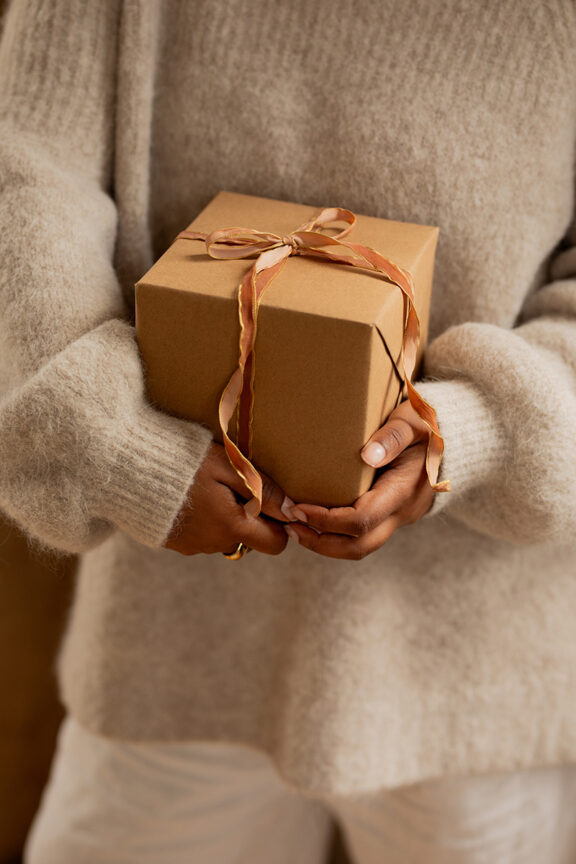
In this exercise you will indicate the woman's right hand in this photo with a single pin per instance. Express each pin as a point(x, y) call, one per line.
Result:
point(213, 519)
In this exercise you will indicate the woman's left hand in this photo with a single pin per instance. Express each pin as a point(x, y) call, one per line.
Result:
point(400, 495)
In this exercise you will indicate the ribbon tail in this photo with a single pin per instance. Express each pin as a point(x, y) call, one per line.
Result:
point(240, 389)
point(435, 447)
point(239, 462)
point(247, 318)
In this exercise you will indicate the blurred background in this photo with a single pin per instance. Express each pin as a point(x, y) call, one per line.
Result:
point(35, 594)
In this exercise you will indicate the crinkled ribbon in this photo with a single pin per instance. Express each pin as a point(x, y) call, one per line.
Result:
point(273, 251)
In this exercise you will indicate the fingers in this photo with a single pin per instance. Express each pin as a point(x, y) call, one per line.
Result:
point(262, 534)
point(274, 502)
point(402, 429)
point(224, 473)
point(400, 496)
point(340, 546)
point(389, 493)
point(257, 532)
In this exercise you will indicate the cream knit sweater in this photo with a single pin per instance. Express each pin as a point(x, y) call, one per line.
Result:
point(452, 649)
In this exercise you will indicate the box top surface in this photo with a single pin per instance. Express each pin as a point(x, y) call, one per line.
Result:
point(305, 284)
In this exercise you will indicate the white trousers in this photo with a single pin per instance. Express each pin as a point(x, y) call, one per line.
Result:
point(112, 802)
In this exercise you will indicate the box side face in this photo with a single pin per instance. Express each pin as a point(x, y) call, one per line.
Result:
point(390, 320)
point(189, 349)
point(311, 381)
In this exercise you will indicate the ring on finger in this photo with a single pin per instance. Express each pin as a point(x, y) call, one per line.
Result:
point(238, 553)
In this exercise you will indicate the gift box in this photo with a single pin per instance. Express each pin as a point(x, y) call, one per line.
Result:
point(327, 356)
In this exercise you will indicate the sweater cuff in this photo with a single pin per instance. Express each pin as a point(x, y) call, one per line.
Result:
point(153, 464)
point(475, 447)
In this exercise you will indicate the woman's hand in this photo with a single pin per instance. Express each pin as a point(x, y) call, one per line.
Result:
point(213, 518)
point(400, 495)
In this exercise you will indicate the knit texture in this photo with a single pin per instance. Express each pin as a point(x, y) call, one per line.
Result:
point(450, 650)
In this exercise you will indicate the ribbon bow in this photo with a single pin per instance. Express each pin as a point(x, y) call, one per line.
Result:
point(273, 251)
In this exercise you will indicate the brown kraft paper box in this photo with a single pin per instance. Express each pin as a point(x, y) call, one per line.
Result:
point(327, 337)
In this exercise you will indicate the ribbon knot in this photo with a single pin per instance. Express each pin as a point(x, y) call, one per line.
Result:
point(273, 251)
point(290, 240)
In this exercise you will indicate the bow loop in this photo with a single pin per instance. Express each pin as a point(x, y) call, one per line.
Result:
point(272, 256)
point(233, 242)
point(239, 242)
point(327, 215)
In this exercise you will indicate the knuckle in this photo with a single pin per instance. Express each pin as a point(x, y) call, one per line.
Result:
point(399, 434)
point(362, 525)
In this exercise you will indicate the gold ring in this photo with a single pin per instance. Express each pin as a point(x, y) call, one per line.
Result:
point(239, 552)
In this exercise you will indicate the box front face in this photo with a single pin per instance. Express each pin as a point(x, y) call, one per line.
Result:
point(310, 411)
point(189, 349)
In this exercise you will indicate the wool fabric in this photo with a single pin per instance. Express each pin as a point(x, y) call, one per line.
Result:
point(450, 650)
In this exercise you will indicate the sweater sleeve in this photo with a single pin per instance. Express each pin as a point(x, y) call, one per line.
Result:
point(506, 406)
point(82, 452)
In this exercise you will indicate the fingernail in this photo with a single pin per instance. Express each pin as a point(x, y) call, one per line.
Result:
point(286, 508)
point(373, 454)
point(292, 533)
point(299, 514)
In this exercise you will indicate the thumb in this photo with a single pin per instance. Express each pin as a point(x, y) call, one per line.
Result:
point(389, 441)
point(274, 502)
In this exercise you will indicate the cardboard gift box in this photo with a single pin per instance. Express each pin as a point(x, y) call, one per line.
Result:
point(327, 351)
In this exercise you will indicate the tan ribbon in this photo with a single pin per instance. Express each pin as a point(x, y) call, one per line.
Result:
point(273, 251)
